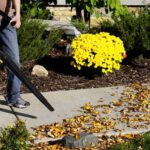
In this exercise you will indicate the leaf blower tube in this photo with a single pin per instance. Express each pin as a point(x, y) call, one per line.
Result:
point(16, 70)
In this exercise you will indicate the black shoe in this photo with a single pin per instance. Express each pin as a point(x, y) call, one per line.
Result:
point(20, 103)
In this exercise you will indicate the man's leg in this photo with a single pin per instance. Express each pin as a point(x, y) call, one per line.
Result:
point(8, 38)
point(9, 42)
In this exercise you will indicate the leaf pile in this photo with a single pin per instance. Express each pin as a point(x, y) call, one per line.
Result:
point(132, 110)
point(136, 101)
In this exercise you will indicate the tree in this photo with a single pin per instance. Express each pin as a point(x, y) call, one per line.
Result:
point(89, 7)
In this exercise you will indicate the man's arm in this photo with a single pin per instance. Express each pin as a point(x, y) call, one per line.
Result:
point(16, 19)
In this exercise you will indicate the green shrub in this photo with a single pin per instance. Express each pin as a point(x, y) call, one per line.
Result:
point(108, 26)
point(14, 137)
point(133, 29)
point(80, 25)
point(127, 30)
point(144, 30)
point(33, 39)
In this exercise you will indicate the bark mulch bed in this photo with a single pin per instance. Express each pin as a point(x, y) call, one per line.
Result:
point(62, 76)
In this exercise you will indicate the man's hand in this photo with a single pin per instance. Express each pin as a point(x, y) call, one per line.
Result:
point(16, 22)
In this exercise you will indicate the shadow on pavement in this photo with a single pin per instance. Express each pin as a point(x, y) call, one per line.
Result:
point(2, 102)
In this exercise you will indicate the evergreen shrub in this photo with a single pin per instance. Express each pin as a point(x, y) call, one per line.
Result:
point(34, 40)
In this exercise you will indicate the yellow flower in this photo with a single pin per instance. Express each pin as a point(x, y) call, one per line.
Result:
point(102, 51)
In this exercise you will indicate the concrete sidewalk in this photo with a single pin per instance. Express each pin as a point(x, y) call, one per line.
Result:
point(66, 104)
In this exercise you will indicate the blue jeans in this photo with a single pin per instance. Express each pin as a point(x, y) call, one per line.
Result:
point(9, 44)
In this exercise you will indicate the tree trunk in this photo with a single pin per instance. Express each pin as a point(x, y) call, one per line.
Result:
point(86, 15)
point(78, 11)
point(87, 18)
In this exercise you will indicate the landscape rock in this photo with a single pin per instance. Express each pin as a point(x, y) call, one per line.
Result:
point(67, 27)
point(84, 140)
point(39, 71)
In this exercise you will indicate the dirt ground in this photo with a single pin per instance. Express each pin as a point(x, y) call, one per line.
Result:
point(62, 76)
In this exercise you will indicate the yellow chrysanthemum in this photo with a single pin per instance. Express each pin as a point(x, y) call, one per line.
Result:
point(103, 51)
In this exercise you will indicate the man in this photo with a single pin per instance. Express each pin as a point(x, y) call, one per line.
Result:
point(9, 45)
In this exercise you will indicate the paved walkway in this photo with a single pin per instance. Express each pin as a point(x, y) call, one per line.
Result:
point(66, 104)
